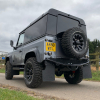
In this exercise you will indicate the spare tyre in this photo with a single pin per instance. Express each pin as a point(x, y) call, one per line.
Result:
point(74, 43)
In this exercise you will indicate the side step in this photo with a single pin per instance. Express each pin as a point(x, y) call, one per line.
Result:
point(18, 68)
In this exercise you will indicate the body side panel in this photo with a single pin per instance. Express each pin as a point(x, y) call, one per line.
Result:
point(37, 47)
point(17, 56)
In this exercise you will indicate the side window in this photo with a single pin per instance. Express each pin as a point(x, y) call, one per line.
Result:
point(36, 30)
point(21, 39)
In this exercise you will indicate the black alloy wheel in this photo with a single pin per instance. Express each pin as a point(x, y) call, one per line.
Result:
point(29, 72)
point(78, 42)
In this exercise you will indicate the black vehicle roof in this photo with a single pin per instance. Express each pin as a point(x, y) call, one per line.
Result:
point(55, 12)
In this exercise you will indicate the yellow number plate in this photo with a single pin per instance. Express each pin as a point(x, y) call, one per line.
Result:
point(50, 46)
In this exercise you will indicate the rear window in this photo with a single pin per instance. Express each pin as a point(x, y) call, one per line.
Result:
point(65, 23)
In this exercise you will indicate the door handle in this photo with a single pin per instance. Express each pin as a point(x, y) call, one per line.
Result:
point(20, 51)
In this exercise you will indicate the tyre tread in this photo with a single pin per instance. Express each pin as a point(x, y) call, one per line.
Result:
point(9, 74)
point(77, 79)
point(37, 75)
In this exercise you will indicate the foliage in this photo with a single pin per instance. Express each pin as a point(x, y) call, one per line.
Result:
point(94, 46)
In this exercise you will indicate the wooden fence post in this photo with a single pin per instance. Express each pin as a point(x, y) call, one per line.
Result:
point(97, 62)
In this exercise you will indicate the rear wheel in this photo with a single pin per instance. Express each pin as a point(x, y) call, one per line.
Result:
point(74, 77)
point(8, 71)
point(32, 73)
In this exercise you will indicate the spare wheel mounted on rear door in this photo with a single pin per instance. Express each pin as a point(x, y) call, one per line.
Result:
point(74, 43)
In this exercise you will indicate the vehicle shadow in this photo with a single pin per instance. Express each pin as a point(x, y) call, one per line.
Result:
point(58, 83)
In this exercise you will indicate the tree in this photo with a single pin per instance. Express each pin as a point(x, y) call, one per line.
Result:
point(94, 46)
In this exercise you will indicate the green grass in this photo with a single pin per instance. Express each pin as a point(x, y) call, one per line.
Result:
point(95, 76)
point(2, 70)
point(6, 94)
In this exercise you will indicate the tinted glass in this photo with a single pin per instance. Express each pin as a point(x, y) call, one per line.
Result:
point(65, 23)
point(36, 30)
point(21, 39)
point(51, 25)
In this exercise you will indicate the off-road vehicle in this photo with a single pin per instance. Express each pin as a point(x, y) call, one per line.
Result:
point(54, 44)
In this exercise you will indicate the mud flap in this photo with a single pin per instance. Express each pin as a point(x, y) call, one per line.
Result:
point(87, 71)
point(49, 73)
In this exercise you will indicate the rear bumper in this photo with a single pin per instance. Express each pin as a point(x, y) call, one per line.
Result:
point(49, 72)
point(66, 62)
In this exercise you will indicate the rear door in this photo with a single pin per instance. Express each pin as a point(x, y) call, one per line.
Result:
point(63, 24)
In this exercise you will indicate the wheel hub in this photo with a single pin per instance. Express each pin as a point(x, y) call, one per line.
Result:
point(78, 42)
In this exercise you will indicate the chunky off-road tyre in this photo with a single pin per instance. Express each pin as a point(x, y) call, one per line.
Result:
point(74, 77)
point(32, 73)
point(8, 71)
point(74, 43)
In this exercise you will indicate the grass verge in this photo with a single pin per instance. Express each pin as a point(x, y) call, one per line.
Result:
point(95, 76)
point(2, 70)
point(6, 94)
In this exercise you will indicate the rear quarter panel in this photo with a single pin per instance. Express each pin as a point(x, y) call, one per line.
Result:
point(35, 45)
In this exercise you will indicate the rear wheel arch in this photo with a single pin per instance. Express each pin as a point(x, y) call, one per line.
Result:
point(59, 35)
point(9, 58)
point(28, 55)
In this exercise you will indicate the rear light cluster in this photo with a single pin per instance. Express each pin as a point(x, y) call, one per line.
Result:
point(48, 53)
point(86, 56)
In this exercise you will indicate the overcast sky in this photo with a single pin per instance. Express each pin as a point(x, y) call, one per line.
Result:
point(15, 15)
